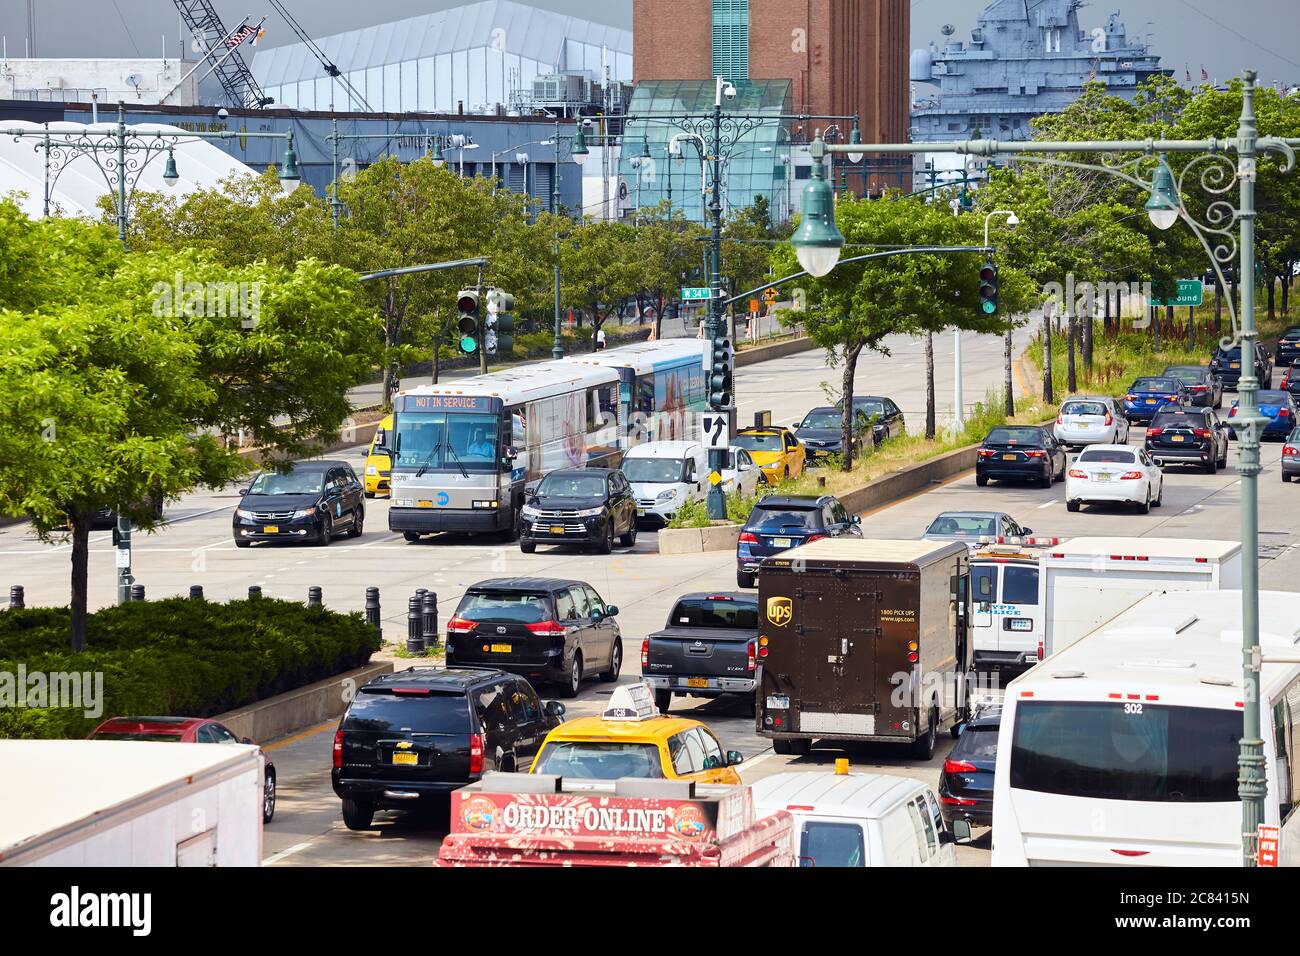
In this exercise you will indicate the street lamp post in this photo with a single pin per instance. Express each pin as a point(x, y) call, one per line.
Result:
point(718, 401)
point(1165, 207)
point(577, 147)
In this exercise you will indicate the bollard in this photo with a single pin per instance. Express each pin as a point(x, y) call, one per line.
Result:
point(137, 592)
point(196, 592)
point(372, 611)
point(16, 602)
point(254, 592)
point(414, 637)
point(314, 596)
point(821, 481)
point(429, 612)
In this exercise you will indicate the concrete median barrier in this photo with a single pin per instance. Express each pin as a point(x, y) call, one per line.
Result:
point(304, 707)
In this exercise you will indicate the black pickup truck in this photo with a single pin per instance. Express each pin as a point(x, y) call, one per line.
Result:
point(708, 648)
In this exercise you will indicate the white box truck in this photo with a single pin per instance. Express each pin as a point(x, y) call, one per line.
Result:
point(129, 803)
point(1085, 582)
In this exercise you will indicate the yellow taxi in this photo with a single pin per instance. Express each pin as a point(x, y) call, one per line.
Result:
point(378, 467)
point(774, 449)
point(632, 739)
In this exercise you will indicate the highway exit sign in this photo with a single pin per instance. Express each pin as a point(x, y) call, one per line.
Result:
point(1190, 292)
point(701, 293)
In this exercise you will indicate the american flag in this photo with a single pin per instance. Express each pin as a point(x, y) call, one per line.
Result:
point(1205, 77)
point(239, 36)
point(1188, 70)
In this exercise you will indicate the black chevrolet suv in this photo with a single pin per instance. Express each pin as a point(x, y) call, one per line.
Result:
point(414, 736)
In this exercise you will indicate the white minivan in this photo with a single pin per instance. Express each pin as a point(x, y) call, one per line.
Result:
point(861, 819)
point(664, 476)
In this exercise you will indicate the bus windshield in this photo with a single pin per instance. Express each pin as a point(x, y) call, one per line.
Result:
point(1126, 751)
point(445, 441)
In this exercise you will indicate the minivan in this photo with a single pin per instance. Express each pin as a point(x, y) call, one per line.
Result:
point(664, 476)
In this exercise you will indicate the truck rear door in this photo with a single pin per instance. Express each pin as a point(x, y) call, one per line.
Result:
point(836, 621)
point(984, 586)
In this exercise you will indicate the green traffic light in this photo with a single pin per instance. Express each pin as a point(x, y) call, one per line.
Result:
point(468, 345)
point(989, 307)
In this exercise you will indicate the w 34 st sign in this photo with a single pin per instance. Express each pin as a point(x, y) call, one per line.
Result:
point(716, 429)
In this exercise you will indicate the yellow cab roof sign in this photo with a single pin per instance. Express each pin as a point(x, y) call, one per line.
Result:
point(631, 702)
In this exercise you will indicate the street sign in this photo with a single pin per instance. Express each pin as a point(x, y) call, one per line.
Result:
point(753, 305)
point(1267, 837)
point(698, 293)
point(769, 295)
point(1190, 292)
point(715, 430)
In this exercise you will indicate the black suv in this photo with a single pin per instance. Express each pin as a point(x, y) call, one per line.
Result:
point(1194, 436)
point(1288, 347)
point(966, 781)
point(549, 629)
point(583, 506)
point(1226, 364)
point(412, 737)
point(313, 501)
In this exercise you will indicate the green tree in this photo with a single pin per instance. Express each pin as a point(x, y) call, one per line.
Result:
point(600, 268)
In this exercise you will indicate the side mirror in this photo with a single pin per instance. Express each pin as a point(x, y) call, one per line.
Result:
point(959, 728)
point(961, 831)
point(611, 610)
point(512, 452)
point(243, 492)
point(735, 758)
point(553, 708)
point(248, 740)
point(1026, 530)
point(856, 519)
point(382, 450)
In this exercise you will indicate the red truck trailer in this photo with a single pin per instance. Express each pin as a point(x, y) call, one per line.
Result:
point(509, 819)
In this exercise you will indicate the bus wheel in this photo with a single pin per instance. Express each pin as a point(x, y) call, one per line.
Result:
point(511, 532)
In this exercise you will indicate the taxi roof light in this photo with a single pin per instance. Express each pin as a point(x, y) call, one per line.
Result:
point(631, 702)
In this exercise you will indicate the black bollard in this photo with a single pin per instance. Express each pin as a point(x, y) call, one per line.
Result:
point(429, 611)
point(137, 592)
point(254, 592)
point(196, 592)
point(372, 611)
point(16, 602)
point(414, 637)
point(314, 596)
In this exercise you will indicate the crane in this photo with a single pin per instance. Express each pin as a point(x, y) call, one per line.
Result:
point(236, 78)
point(331, 70)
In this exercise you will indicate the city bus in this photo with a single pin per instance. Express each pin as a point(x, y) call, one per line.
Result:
point(466, 453)
point(1122, 748)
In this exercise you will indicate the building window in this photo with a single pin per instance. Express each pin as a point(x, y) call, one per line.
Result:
point(731, 39)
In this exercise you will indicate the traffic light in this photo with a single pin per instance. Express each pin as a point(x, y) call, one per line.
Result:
point(988, 288)
point(500, 323)
point(468, 322)
point(720, 375)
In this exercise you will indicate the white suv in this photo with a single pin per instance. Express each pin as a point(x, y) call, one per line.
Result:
point(664, 476)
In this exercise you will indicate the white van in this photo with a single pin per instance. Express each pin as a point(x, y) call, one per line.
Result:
point(861, 819)
point(664, 476)
point(1122, 748)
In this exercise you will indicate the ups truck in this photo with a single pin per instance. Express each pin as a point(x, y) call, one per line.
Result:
point(864, 639)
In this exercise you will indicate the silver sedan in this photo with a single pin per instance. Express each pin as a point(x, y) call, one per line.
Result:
point(1090, 420)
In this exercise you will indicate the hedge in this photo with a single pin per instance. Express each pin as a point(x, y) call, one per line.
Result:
point(179, 657)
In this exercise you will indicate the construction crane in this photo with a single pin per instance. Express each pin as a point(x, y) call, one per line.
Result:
point(229, 67)
point(331, 70)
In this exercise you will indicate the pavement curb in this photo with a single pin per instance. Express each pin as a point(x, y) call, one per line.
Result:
point(765, 353)
point(302, 707)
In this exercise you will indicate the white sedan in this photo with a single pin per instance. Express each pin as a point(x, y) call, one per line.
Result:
point(1114, 474)
point(1090, 421)
point(739, 473)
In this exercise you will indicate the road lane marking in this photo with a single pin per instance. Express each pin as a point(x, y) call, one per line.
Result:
point(301, 735)
point(755, 761)
point(277, 857)
point(1048, 504)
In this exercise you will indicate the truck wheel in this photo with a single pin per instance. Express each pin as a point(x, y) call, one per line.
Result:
point(663, 700)
point(358, 815)
point(745, 579)
point(569, 688)
point(923, 748)
point(796, 748)
point(615, 663)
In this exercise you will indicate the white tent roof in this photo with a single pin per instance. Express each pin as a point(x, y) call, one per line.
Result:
point(79, 184)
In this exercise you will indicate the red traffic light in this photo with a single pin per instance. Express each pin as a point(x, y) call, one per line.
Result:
point(988, 273)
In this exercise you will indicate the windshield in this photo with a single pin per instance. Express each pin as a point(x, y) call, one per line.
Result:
point(1118, 751)
point(381, 711)
point(1233, 353)
point(1191, 375)
point(977, 743)
point(1083, 408)
point(599, 760)
point(1273, 398)
point(823, 418)
point(963, 525)
point(1019, 436)
point(572, 486)
point(1178, 420)
point(777, 519)
point(653, 470)
point(714, 612)
point(1116, 457)
point(446, 441)
point(170, 738)
point(505, 607)
point(757, 442)
point(294, 483)
point(1155, 385)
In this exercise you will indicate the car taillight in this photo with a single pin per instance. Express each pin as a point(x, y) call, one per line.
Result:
point(813, 537)
point(475, 753)
point(1130, 475)
point(1200, 388)
point(1110, 419)
point(460, 625)
point(1152, 432)
point(338, 749)
point(546, 629)
point(645, 652)
point(1032, 453)
point(748, 537)
point(1060, 419)
point(986, 453)
point(1232, 412)
point(1289, 450)
point(1284, 413)
point(1076, 473)
point(1201, 432)
point(959, 766)
point(751, 655)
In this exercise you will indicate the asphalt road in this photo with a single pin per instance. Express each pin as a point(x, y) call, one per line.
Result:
point(195, 547)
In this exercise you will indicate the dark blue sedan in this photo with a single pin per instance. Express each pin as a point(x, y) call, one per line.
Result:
point(1280, 410)
point(1146, 396)
point(781, 522)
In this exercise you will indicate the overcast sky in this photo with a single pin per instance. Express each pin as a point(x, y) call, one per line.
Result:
point(1188, 34)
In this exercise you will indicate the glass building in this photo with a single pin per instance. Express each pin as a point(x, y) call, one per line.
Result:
point(470, 59)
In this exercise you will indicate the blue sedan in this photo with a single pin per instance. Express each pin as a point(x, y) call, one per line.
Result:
point(1280, 410)
point(1146, 396)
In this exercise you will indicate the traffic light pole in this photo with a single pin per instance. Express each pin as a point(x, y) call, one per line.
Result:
point(719, 400)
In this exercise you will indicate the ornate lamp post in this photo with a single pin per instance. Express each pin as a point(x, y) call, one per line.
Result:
point(577, 147)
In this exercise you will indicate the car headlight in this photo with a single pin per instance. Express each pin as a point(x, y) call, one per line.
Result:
point(304, 512)
point(590, 512)
point(528, 511)
point(668, 495)
point(371, 470)
point(243, 513)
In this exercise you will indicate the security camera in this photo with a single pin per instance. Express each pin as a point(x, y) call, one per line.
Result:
point(729, 91)
point(223, 113)
point(1013, 220)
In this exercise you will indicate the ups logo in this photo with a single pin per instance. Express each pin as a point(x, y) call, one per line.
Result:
point(779, 611)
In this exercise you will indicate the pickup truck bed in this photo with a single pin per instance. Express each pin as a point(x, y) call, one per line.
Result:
point(707, 648)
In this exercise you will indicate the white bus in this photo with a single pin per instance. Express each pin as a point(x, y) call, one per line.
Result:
point(465, 453)
point(1122, 748)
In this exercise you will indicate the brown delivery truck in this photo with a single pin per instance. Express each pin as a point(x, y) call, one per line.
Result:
point(863, 639)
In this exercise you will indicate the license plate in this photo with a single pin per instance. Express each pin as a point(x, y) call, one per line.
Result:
point(780, 702)
point(780, 542)
point(404, 759)
point(271, 529)
point(697, 682)
point(425, 503)
point(1177, 438)
point(502, 648)
point(640, 512)
point(557, 529)
point(1151, 401)
point(1008, 457)
point(1022, 624)
point(1235, 365)
point(1101, 477)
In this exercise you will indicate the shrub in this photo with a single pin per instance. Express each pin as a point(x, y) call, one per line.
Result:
point(180, 657)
